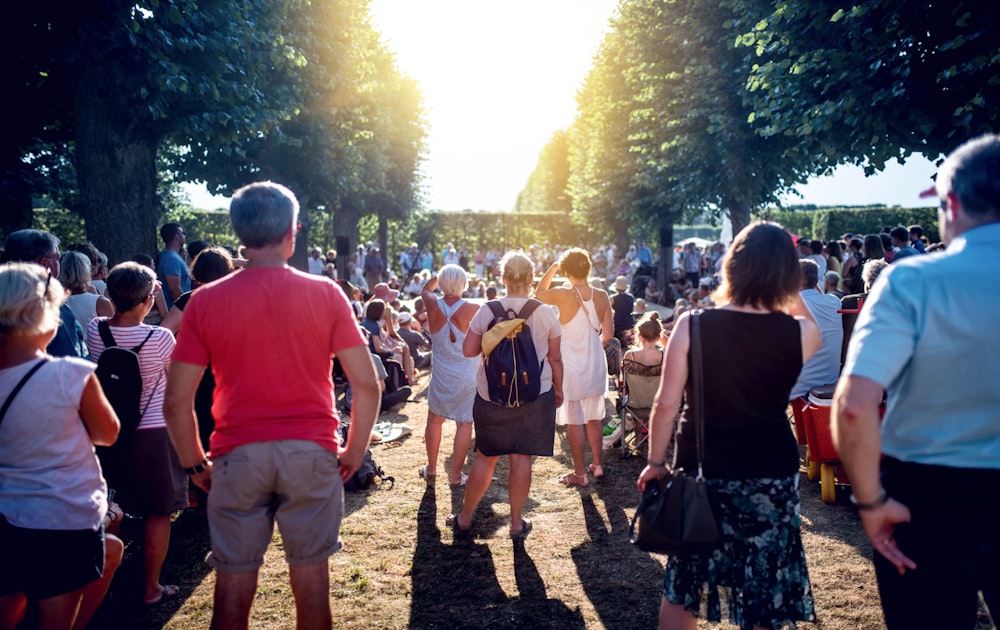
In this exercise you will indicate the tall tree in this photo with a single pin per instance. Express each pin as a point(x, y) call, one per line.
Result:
point(546, 189)
point(874, 81)
point(133, 74)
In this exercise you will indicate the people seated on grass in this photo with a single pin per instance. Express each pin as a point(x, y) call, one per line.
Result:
point(53, 499)
point(154, 486)
point(652, 293)
point(420, 346)
point(74, 275)
point(452, 389)
point(587, 324)
point(377, 321)
point(521, 432)
point(822, 368)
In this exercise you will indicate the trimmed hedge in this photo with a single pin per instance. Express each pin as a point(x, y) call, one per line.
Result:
point(832, 223)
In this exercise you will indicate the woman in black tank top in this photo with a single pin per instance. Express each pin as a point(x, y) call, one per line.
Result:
point(753, 348)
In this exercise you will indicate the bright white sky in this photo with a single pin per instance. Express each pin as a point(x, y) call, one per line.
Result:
point(499, 78)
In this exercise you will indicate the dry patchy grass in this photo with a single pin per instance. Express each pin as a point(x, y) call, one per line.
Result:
point(401, 567)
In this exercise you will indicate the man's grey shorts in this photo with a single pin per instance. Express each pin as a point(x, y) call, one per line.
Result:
point(294, 482)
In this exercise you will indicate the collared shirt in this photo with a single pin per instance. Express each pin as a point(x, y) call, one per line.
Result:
point(823, 367)
point(928, 334)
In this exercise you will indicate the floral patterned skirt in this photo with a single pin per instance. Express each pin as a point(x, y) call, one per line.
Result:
point(760, 565)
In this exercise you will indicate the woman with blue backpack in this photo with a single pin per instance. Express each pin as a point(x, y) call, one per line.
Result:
point(518, 387)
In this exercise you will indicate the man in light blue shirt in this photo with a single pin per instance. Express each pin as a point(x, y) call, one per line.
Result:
point(928, 335)
point(823, 367)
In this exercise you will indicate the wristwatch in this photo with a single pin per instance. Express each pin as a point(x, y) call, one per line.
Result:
point(197, 468)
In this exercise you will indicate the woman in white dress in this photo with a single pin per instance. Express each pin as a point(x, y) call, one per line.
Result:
point(587, 324)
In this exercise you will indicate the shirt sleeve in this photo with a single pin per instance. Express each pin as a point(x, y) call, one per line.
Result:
point(886, 333)
point(481, 320)
point(346, 333)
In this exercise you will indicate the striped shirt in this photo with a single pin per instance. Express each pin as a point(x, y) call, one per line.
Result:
point(154, 359)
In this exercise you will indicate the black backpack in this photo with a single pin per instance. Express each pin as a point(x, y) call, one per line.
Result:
point(513, 371)
point(366, 474)
point(120, 377)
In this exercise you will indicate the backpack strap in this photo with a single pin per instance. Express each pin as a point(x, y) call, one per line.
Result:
point(104, 328)
point(139, 347)
point(17, 388)
point(497, 308)
point(529, 308)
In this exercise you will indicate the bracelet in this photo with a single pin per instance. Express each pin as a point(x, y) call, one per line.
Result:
point(653, 464)
point(877, 503)
point(197, 468)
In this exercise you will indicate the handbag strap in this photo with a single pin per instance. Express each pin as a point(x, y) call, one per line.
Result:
point(17, 388)
point(698, 389)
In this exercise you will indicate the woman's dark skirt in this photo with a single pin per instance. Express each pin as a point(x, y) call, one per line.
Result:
point(526, 430)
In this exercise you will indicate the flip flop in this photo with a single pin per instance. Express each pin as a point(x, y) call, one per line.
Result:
point(422, 471)
point(460, 484)
point(460, 532)
point(524, 531)
point(573, 479)
point(596, 471)
point(169, 591)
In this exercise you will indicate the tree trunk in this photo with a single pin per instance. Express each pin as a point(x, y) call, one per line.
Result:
point(300, 255)
point(383, 244)
point(346, 233)
point(116, 168)
point(739, 215)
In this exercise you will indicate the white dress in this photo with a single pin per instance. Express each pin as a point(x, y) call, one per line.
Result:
point(453, 375)
point(585, 367)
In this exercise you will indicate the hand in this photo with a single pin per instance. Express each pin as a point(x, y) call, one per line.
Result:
point(880, 525)
point(203, 479)
point(348, 462)
point(559, 398)
point(649, 473)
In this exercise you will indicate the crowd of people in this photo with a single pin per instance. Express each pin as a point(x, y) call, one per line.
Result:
point(261, 439)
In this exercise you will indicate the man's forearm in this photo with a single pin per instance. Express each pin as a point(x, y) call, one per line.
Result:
point(856, 434)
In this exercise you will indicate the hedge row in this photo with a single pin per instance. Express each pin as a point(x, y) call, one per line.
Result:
point(832, 223)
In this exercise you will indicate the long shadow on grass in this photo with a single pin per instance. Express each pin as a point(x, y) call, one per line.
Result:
point(455, 583)
point(622, 583)
point(185, 566)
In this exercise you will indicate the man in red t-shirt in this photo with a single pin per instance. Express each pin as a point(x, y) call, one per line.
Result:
point(270, 333)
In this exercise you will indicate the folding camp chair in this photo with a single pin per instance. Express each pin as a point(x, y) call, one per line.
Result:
point(640, 383)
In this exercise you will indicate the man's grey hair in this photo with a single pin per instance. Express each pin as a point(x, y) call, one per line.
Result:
point(29, 246)
point(871, 270)
point(832, 277)
point(263, 213)
point(810, 273)
point(972, 173)
point(453, 280)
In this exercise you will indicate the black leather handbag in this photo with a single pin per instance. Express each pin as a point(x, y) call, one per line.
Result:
point(677, 517)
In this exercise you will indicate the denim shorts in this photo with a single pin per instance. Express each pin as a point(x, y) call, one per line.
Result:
point(295, 483)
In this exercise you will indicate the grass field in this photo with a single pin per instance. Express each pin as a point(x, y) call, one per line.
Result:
point(401, 568)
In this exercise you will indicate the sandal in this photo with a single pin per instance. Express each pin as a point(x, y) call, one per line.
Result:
point(169, 591)
point(422, 471)
point(596, 471)
point(524, 531)
point(461, 484)
point(573, 479)
point(460, 532)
